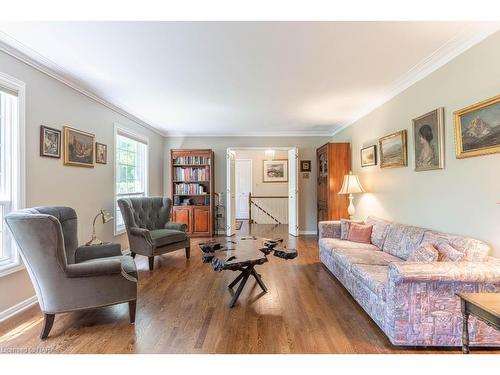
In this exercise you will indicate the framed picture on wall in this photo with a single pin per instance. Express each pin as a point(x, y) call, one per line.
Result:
point(369, 156)
point(50, 142)
point(477, 129)
point(393, 150)
point(428, 138)
point(305, 166)
point(101, 153)
point(78, 148)
point(275, 171)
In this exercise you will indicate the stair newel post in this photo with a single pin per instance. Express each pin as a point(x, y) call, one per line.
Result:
point(250, 209)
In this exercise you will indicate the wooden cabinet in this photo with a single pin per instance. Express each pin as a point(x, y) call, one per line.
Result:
point(192, 184)
point(334, 162)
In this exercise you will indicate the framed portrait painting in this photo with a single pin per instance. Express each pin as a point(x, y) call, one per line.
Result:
point(393, 150)
point(275, 171)
point(50, 142)
point(78, 148)
point(101, 153)
point(477, 129)
point(369, 156)
point(428, 138)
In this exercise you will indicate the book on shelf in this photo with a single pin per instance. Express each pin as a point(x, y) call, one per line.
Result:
point(191, 174)
point(189, 189)
point(192, 160)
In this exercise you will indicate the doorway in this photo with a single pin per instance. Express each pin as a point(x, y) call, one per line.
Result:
point(238, 187)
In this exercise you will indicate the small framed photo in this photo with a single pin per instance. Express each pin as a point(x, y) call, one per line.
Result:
point(305, 166)
point(428, 138)
point(275, 171)
point(78, 148)
point(393, 150)
point(369, 156)
point(50, 142)
point(101, 153)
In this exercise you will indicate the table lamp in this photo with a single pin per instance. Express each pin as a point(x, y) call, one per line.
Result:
point(106, 216)
point(351, 185)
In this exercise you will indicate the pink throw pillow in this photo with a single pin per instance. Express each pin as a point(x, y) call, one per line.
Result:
point(360, 233)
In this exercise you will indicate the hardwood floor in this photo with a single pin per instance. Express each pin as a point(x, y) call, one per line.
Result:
point(183, 308)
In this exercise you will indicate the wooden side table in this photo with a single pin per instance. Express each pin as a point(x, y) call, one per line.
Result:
point(485, 306)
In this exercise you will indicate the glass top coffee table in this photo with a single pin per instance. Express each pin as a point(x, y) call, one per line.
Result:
point(242, 255)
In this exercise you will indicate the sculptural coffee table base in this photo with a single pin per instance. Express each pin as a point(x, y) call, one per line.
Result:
point(243, 255)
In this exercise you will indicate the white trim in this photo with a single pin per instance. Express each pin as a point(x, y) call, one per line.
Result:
point(303, 133)
point(19, 51)
point(444, 54)
point(17, 308)
point(307, 232)
point(251, 182)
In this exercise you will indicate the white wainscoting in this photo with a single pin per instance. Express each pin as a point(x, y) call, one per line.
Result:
point(16, 309)
point(277, 207)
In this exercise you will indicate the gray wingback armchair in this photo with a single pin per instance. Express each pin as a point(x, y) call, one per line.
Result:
point(67, 277)
point(149, 229)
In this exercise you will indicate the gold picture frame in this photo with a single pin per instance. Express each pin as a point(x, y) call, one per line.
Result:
point(428, 130)
point(79, 148)
point(481, 137)
point(398, 156)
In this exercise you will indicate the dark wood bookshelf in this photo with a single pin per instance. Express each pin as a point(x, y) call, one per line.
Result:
point(199, 214)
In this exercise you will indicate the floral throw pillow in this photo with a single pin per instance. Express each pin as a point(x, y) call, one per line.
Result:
point(424, 253)
point(447, 253)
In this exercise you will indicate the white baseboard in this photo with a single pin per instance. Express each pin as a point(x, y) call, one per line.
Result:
point(16, 309)
point(306, 232)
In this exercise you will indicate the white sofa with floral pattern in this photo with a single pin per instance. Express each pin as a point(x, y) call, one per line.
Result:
point(414, 303)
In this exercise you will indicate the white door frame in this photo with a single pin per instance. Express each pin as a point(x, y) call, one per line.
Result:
point(251, 173)
point(231, 194)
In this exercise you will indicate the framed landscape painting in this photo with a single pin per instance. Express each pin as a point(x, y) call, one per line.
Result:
point(369, 156)
point(428, 138)
point(393, 150)
point(50, 142)
point(275, 171)
point(477, 129)
point(78, 148)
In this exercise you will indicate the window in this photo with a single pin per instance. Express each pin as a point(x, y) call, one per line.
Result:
point(131, 170)
point(11, 165)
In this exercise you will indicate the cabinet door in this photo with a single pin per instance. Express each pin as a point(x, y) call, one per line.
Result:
point(183, 215)
point(201, 220)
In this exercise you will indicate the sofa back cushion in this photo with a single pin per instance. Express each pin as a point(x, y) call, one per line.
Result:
point(402, 240)
point(380, 229)
point(473, 249)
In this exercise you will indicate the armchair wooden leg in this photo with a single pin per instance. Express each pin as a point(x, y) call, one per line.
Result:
point(48, 321)
point(188, 252)
point(132, 254)
point(151, 262)
point(132, 305)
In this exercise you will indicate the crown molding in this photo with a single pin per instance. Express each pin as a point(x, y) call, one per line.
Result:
point(19, 51)
point(444, 54)
point(275, 134)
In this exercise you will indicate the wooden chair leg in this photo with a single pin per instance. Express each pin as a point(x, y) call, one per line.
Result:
point(48, 321)
point(132, 305)
point(151, 262)
point(188, 252)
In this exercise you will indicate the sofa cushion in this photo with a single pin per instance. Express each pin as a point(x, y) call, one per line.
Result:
point(374, 277)
point(380, 229)
point(448, 253)
point(402, 240)
point(345, 225)
point(426, 252)
point(335, 243)
point(128, 263)
point(474, 250)
point(346, 257)
point(162, 237)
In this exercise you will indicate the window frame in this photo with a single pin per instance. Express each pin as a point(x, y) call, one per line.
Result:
point(127, 132)
point(18, 147)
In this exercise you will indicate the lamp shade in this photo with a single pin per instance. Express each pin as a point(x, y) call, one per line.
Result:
point(351, 185)
point(106, 216)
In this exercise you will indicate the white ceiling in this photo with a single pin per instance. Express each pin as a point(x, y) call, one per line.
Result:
point(265, 78)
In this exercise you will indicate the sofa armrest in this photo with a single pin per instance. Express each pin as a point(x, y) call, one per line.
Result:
point(466, 272)
point(84, 253)
point(176, 226)
point(142, 233)
point(103, 267)
point(329, 229)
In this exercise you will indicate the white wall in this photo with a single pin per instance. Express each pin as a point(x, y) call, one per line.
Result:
point(48, 181)
point(459, 199)
point(307, 151)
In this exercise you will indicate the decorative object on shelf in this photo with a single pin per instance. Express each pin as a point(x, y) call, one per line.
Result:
point(105, 217)
point(78, 148)
point(477, 129)
point(351, 185)
point(305, 166)
point(428, 138)
point(369, 156)
point(50, 142)
point(393, 150)
point(275, 171)
point(101, 153)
